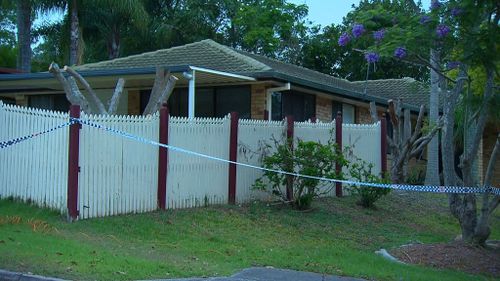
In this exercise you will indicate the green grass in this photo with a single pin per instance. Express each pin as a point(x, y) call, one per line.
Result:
point(337, 237)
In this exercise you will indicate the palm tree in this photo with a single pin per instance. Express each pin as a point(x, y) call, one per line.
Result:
point(109, 19)
point(24, 35)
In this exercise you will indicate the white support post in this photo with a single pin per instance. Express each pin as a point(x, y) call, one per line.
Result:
point(191, 99)
point(269, 100)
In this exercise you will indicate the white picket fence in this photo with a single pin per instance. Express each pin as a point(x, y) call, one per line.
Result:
point(192, 180)
point(119, 175)
point(34, 170)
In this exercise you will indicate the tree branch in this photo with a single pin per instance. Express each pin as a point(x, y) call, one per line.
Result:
point(115, 99)
point(471, 150)
point(68, 84)
point(86, 85)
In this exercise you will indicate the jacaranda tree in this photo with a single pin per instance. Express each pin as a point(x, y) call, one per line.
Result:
point(450, 38)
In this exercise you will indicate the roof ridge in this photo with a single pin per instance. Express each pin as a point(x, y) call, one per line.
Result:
point(232, 52)
point(298, 66)
point(409, 79)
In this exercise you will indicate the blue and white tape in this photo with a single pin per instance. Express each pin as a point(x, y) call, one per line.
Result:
point(434, 188)
point(8, 143)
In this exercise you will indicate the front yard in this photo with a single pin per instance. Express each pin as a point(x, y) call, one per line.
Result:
point(337, 237)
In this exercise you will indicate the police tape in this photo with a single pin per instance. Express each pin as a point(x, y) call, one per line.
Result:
point(8, 143)
point(408, 187)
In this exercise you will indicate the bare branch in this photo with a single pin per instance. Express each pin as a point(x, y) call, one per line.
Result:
point(471, 150)
point(69, 86)
point(76, 96)
point(154, 104)
point(115, 99)
point(86, 85)
point(158, 86)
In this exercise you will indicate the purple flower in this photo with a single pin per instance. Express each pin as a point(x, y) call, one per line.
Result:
point(455, 12)
point(358, 30)
point(344, 39)
point(442, 30)
point(379, 35)
point(452, 65)
point(425, 19)
point(371, 57)
point(435, 4)
point(400, 52)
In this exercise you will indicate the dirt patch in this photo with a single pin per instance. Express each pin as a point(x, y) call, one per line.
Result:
point(453, 255)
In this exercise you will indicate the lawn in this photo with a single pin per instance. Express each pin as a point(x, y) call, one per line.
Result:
point(336, 237)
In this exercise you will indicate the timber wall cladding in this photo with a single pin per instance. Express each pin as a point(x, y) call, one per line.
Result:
point(36, 169)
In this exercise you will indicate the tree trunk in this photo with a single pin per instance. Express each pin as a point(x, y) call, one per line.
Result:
point(114, 45)
point(24, 35)
point(74, 34)
point(432, 173)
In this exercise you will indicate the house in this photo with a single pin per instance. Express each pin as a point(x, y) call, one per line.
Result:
point(215, 79)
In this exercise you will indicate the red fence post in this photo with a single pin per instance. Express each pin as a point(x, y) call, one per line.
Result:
point(338, 141)
point(383, 145)
point(289, 139)
point(163, 158)
point(233, 149)
point(73, 164)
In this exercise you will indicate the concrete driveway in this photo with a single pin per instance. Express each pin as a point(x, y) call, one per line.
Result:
point(249, 274)
point(270, 274)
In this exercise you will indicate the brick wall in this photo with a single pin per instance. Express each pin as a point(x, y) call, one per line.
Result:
point(134, 102)
point(258, 101)
point(363, 115)
point(21, 100)
point(323, 109)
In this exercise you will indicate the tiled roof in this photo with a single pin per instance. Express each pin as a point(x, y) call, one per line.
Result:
point(212, 55)
point(206, 54)
point(407, 89)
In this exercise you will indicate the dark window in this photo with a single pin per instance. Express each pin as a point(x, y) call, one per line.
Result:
point(276, 106)
point(348, 112)
point(230, 99)
point(50, 102)
point(301, 106)
point(209, 102)
point(8, 100)
point(204, 102)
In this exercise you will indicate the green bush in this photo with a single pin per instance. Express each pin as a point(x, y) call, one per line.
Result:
point(319, 160)
point(361, 171)
point(308, 158)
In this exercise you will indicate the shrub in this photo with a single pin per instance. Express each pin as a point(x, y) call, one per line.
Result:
point(308, 158)
point(319, 160)
point(360, 170)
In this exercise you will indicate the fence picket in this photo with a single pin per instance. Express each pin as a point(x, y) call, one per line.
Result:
point(119, 175)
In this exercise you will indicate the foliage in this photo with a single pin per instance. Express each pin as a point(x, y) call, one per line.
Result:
point(318, 160)
point(464, 35)
point(348, 62)
point(308, 158)
point(361, 171)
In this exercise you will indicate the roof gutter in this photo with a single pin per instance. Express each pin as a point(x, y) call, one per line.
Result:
point(94, 73)
point(326, 88)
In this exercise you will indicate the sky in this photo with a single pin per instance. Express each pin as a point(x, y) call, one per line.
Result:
point(323, 12)
point(326, 12)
